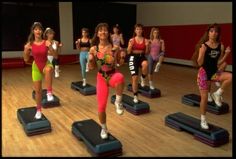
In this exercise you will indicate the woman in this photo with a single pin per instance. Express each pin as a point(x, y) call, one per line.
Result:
point(118, 40)
point(102, 56)
point(83, 45)
point(156, 55)
point(137, 48)
point(208, 54)
point(39, 49)
point(49, 35)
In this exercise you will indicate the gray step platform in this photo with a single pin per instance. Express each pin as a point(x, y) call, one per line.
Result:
point(45, 103)
point(194, 100)
point(85, 90)
point(89, 132)
point(146, 91)
point(31, 125)
point(134, 108)
point(214, 136)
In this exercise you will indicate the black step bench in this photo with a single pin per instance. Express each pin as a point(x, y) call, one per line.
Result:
point(134, 108)
point(45, 103)
point(89, 132)
point(31, 125)
point(85, 90)
point(146, 91)
point(194, 100)
point(214, 136)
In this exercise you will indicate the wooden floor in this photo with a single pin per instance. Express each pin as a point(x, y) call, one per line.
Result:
point(144, 135)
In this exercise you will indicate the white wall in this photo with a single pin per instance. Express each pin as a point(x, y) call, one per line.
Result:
point(66, 32)
point(183, 13)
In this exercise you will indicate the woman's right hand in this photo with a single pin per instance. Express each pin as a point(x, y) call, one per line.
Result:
point(27, 48)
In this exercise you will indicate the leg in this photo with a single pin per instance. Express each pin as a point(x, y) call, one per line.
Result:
point(117, 82)
point(144, 66)
point(37, 81)
point(203, 85)
point(56, 66)
point(133, 67)
point(150, 71)
point(102, 102)
point(48, 81)
point(83, 60)
point(225, 78)
point(160, 60)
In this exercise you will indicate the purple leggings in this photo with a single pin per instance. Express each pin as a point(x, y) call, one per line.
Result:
point(103, 90)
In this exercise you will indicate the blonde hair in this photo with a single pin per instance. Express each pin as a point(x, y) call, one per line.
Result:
point(151, 33)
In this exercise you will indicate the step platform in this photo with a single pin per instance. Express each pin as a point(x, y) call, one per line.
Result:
point(214, 136)
point(134, 108)
point(194, 100)
point(146, 91)
point(85, 90)
point(31, 125)
point(89, 132)
point(45, 103)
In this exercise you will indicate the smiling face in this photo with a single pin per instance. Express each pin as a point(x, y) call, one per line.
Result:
point(103, 33)
point(138, 31)
point(155, 33)
point(213, 33)
point(37, 32)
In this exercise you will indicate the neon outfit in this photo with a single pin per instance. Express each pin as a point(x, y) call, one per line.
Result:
point(107, 76)
point(39, 53)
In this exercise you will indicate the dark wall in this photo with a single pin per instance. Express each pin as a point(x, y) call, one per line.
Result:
point(17, 18)
point(89, 14)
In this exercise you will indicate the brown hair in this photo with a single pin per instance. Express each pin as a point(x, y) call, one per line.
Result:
point(48, 30)
point(95, 39)
point(137, 26)
point(31, 37)
point(204, 39)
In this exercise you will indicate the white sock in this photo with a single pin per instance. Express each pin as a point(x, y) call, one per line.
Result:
point(203, 117)
point(219, 91)
point(118, 98)
point(104, 126)
point(56, 67)
point(150, 82)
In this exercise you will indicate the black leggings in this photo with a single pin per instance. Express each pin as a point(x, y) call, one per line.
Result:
point(135, 62)
point(55, 62)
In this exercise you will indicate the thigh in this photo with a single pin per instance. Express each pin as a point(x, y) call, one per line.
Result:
point(36, 74)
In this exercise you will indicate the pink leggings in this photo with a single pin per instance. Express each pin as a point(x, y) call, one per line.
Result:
point(103, 90)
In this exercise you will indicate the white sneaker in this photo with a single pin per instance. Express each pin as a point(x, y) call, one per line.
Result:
point(204, 124)
point(151, 85)
point(217, 84)
point(104, 134)
point(142, 81)
point(119, 108)
point(38, 115)
point(135, 99)
point(209, 98)
point(84, 82)
point(56, 73)
point(157, 67)
point(50, 97)
point(217, 98)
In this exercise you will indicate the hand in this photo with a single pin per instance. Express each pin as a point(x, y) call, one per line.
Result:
point(121, 35)
point(60, 45)
point(27, 48)
point(131, 42)
point(227, 50)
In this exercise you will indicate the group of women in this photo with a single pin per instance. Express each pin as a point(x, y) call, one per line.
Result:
point(105, 52)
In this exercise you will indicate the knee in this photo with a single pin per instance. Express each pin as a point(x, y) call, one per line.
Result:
point(48, 69)
point(229, 77)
